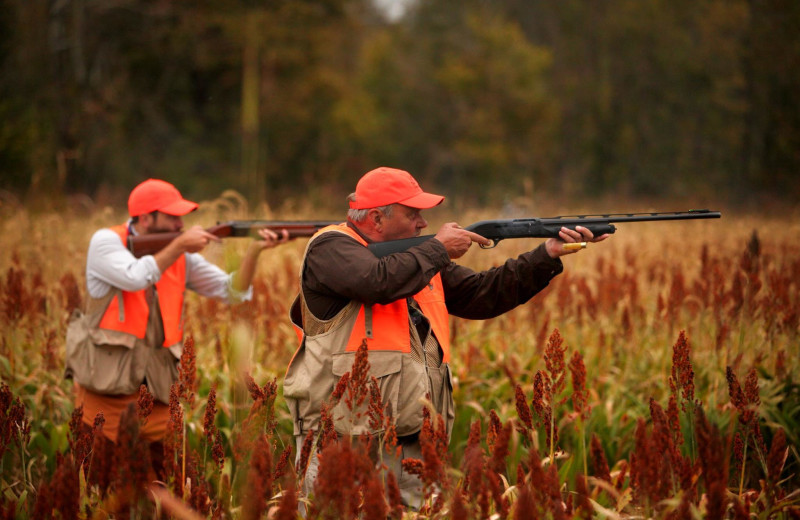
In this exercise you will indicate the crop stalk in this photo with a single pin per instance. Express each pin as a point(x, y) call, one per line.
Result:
point(744, 463)
point(183, 457)
point(552, 437)
point(582, 430)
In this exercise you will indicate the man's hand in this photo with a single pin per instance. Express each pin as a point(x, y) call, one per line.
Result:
point(555, 246)
point(270, 239)
point(457, 239)
point(194, 239)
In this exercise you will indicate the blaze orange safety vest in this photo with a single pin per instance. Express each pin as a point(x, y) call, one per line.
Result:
point(389, 327)
point(132, 317)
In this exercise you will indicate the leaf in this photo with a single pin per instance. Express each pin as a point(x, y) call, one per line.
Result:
point(607, 487)
point(173, 505)
point(625, 499)
point(604, 512)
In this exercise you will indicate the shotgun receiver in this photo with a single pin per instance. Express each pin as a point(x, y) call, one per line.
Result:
point(497, 230)
point(141, 245)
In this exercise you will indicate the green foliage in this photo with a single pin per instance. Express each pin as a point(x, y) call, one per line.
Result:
point(486, 99)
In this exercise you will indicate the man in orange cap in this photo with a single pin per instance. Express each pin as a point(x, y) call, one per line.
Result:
point(132, 332)
point(400, 306)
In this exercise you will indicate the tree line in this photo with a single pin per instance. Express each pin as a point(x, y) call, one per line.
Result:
point(686, 98)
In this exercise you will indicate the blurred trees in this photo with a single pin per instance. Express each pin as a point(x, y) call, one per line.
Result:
point(481, 99)
point(651, 91)
point(457, 95)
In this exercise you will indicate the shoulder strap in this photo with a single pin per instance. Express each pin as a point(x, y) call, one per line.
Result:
point(96, 307)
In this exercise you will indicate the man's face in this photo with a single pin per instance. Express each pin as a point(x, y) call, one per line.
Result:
point(404, 222)
point(161, 222)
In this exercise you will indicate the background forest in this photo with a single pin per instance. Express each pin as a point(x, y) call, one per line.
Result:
point(480, 99)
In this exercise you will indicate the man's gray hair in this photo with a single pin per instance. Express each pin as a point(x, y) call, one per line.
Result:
point(359, 215)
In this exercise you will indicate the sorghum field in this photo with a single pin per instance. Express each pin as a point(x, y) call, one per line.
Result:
point(657, 377)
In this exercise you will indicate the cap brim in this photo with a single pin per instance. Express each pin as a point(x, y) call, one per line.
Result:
point(179, 208)
point(422, 201)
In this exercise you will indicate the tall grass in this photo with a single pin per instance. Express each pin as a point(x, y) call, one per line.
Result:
point(656, 377)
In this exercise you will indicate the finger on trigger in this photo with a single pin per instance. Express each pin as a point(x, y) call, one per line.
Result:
point(479, 238)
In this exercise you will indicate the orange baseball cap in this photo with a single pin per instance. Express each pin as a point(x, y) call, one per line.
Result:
point(157, 195)
point(383, 186)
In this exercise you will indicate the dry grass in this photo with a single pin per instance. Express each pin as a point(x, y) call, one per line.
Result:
point(613, 393)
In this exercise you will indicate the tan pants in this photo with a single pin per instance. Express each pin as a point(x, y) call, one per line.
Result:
point(410, 485)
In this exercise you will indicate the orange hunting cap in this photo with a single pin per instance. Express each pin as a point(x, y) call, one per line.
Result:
point(383, 186)
point(157, 195)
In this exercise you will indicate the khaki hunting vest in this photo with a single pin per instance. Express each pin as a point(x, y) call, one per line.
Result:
point(328, 349)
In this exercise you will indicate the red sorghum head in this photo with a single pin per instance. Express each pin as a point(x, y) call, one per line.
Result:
point(210, 415)
point(524, 413)
point(287, 507)
point(258, 488)
point(578, 371)
point(144, 405)
point(554, 361)
point(682, 378)
point(187, 371)
point(601, 470)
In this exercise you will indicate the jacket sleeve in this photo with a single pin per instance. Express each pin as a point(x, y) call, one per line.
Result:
point(337, 266)
point(486, 294)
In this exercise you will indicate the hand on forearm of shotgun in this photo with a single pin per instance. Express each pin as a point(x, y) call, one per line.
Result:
point(571, 241)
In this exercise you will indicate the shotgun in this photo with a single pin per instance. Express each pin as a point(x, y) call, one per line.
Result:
point(497, 230)
point(141, 245)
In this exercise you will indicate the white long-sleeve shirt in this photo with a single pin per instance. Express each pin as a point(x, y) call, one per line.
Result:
point(110, 265)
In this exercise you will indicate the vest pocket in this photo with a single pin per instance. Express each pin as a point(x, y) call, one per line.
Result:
point(100, 360)
point(414, 387)
point(117, 368)
point(386, 367)
point(161, 372)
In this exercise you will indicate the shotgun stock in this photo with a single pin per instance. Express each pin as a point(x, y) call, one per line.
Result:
point(497, 230)
point(141, 245)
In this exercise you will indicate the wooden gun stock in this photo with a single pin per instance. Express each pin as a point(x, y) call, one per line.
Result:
point(142, 245)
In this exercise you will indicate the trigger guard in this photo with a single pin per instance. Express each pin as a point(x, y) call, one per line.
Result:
point(494, 244)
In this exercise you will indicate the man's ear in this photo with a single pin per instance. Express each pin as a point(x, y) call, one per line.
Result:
point(375, 218)
point(147, 220)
